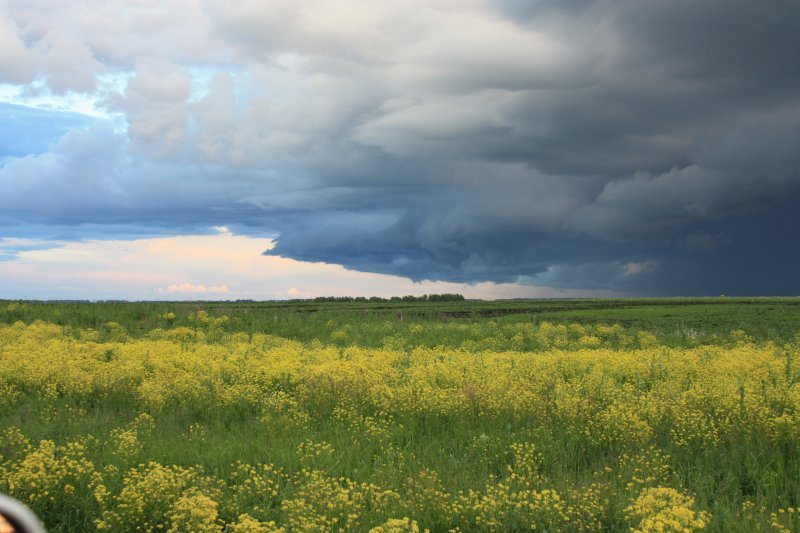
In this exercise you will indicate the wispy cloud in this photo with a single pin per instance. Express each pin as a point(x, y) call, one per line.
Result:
point(192, 288)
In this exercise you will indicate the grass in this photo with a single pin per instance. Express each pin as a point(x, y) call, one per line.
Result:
point(329, 417)
point(673, 320)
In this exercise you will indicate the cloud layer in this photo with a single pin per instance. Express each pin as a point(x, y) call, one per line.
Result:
point(219, 266)
point(641, 147)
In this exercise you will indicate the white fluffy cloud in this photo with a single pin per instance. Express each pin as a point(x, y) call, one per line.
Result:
point(191, 288)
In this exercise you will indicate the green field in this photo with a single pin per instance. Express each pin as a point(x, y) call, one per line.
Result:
point(673, 320)
point(566, 415)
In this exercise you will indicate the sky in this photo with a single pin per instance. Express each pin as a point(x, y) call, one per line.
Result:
point(199, 149)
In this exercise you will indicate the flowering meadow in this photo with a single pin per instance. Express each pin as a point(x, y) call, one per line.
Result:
point(193, 417)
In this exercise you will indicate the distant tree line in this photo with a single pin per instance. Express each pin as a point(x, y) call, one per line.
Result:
point(409, 298)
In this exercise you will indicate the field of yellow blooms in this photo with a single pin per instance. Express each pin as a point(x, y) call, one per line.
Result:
point(200, 427)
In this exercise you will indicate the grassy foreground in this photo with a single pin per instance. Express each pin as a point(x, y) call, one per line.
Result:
point(647, 415)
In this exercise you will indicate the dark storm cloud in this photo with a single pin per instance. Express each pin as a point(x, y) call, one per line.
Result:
point(644, 147)
point(689, 128)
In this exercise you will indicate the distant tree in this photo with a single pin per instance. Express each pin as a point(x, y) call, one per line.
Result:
point(408, 298)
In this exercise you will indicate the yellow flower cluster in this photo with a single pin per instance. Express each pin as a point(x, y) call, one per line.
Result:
point(48, 471)
point(785, 520)
point(397, 525)
point(612, 393)
point(248, 524)
point(256, 488)
point(153, 495)
point(665, 509)
point(325, 503)
point(194, 512)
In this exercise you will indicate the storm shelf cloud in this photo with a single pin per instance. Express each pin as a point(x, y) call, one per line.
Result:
point(629, 146)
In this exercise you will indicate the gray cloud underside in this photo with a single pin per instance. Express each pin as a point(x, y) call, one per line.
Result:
point(648, 147)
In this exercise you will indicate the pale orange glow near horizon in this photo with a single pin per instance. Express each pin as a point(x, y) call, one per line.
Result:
point(219, 266)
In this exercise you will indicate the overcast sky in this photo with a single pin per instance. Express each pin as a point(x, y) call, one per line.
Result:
point(295, 148)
